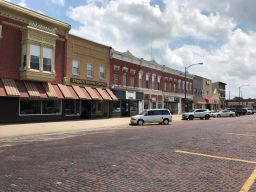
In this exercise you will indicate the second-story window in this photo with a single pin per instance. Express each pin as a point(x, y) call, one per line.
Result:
point(116, 77)
point(153, 81)
point(183, 86)
point(124, 78)
point(76, 67)
point(47, 59)
point(147, 80)
point(89, 70)
point(158, 82)
point(132, 80)
point(170, 85)
point(179, 85)
point(175, 85)
point(34, 57)
point(102, 72)
point(140, 79)
point(165, 85)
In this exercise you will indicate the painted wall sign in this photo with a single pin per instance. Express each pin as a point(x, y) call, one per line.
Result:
point(88, 82)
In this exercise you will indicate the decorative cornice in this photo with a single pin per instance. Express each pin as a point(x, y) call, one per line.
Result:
point(27, 16)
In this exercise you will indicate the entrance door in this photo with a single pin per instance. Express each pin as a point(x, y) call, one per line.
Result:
point(86, 109)
point(125, 108)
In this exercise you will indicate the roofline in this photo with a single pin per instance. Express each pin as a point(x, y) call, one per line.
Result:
point(33, 13)
point(72, 35)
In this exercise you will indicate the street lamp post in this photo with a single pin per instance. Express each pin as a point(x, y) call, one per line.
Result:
point(239, 90)
point(186, 68)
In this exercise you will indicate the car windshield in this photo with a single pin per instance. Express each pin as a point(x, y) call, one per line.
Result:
point(143, 112)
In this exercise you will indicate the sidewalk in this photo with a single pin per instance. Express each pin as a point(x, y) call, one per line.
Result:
point(61, 127)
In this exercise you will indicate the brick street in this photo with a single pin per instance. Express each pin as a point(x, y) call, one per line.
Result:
point(199, 155)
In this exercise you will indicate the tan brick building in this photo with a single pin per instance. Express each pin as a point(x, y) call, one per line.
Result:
point(88, 65)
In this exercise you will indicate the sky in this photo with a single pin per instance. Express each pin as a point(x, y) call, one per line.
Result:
point(175, 33)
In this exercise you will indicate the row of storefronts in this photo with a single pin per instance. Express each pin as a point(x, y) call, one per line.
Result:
point(47, 74)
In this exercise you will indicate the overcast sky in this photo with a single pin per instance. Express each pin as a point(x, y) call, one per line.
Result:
point(175, 33)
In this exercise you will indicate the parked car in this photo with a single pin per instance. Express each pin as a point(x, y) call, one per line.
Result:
point(197, 113)
point(161, 116)
point(238, 111)
point(248, 111)
point(224, 113)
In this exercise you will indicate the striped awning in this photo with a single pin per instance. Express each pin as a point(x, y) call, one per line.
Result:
point(104, 94)
point(22, 89)
point(2, 90)
point(65, 91)
point(32, 89)
point(111, 94)
point(81, 92)
point(50, 91)
point(93, 94)
point(10, 88)
point(73, 93)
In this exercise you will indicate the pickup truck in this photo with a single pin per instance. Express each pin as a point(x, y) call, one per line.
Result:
point(197, 113)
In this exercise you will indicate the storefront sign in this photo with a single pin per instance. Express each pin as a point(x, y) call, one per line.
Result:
point(43, 27)
point(130, 95)
point(88, 82)
point(169, 99)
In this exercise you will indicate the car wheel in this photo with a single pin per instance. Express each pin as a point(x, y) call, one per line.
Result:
point(140, 122)
point(218, 116)
point(190, 117)
point(207, 117)
point(166, 121)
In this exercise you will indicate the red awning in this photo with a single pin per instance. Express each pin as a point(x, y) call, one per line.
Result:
point(41, 90)
point(71, 90)
point(209, 100)
point(57, 91)
point(112, 95)
point(22, 89)
point(104, 94)
point(50, 90)
point(32, 89)
point(93, 93)
point(10, 88)
point(81, 92)
point(65, 91)
point(2, 90)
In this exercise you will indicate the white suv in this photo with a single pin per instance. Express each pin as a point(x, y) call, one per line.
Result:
point(197, 113)
point(162, 116)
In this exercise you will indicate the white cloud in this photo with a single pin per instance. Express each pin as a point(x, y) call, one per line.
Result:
point(23, 3)
point(138, 26)
point(58, 2)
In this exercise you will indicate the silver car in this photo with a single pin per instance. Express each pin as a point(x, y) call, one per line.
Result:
point(162, 116)
point(224, 113)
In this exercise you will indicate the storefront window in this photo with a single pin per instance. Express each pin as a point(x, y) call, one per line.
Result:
point(134, 106)
point(37, 107)
point(146, 105)
point(72, 107)
point(116, 107)
point(160, 105)
point(51, 107)
point(154, 105)
point(30, 107)
point(96, 106)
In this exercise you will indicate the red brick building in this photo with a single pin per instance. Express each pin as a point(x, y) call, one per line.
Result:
point(141, 84)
